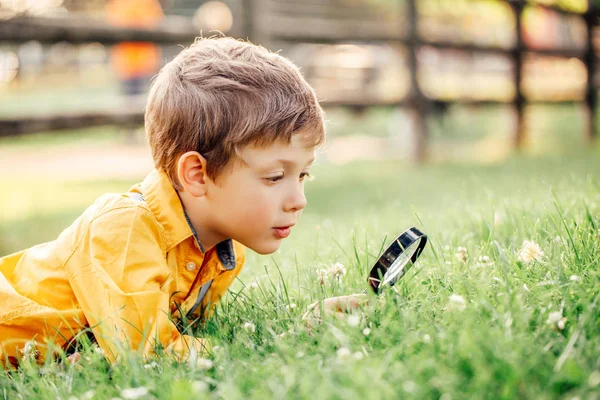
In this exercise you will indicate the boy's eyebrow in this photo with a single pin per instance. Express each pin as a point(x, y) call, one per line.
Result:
point(290, 162)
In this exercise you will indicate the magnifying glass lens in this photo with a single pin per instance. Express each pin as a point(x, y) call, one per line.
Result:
point(397, 259)
point(401, 265)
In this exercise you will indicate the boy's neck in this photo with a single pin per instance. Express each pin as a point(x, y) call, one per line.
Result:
point(200, 221)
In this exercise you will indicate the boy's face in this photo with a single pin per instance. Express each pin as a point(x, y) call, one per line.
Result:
point(257, 200)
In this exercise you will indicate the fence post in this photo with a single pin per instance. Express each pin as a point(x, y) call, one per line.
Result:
point(256, 23)
point(248, 24)
point(417, 102)
point(591, 97)
point(519, 101)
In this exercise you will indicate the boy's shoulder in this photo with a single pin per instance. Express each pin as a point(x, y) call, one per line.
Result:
point(109, 202)
point(109, 222)
point(120, 210)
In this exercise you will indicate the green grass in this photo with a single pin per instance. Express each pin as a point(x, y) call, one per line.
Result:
point(419, 344)
point(62, 139)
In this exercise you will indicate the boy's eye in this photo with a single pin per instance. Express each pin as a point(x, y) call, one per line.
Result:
point(305, 175)
point(274, 179)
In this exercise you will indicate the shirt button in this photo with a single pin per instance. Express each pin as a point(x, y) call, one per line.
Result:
point(190, 266)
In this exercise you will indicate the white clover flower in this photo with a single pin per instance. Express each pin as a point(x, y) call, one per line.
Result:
point(29, 351)
point(358, 355)
point(87, 395)
point(366, 331)
point(456, 303)
point(558, 239)
point(192, 357)
point(343, 353)
point(253, 286)
point(337, 270)
point(322, 275)
point(426, 338)
point(249, 326)
point(151, 365)
point(594, 379)
point(574, 278)
point(462, 255)
point(556, 319)
point(199, 387)
point(409, 386)
point(204, 363)
point(353, 320)
point(499, 218)
point(485, 261)
point(134, 393)
point(530, 251)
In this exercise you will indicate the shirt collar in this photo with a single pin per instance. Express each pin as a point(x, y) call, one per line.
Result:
point(161, 197)
point(164, 202)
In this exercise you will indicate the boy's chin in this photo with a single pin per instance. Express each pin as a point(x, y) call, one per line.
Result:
point(265, 248)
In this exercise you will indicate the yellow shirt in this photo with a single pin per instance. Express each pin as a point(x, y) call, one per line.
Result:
point(127, 263)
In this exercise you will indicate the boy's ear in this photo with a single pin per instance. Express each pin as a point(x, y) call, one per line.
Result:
point(191, 171)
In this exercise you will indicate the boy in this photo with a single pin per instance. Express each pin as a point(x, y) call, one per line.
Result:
point(233, 130)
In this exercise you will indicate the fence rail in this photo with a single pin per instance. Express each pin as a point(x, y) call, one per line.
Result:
point(73, 120)
point(84, 30)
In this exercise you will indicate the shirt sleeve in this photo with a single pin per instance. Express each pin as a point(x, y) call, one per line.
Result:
point(116, 272)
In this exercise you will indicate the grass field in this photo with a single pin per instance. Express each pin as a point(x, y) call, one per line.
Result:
point(480, 322)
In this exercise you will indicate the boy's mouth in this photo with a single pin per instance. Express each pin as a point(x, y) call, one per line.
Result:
point(282, 232)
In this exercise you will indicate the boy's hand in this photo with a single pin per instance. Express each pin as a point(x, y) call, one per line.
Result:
point(336, 306)
point(74, 358)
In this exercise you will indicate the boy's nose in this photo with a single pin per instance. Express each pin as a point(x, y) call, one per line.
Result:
point(297, 201)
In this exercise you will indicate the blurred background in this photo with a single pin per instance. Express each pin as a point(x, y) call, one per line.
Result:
point(422, 82)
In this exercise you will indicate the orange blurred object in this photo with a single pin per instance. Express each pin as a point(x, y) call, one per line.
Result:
point(135, 59)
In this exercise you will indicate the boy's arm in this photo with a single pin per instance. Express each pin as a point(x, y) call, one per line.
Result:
point(116, 272)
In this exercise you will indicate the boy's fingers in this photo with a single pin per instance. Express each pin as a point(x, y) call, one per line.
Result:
point(74, 358)
point(312, 322)
point(312, 316)
point(345, 303)
point(333, 306)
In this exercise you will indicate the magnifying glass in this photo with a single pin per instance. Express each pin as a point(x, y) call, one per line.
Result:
point(397, 259)
point(393, 264)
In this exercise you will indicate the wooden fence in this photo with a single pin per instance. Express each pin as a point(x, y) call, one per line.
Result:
point(274, 23)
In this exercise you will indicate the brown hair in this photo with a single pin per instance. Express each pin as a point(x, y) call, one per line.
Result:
point(221, 94)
